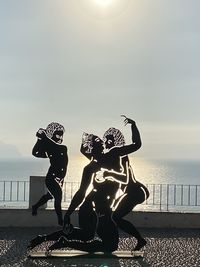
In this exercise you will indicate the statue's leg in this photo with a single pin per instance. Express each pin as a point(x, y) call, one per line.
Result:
point(42, 238)
point(126, 205)
point(56, 191)
point(87, 221)
point(108, 232)
point(43, 200)
point(89, 246)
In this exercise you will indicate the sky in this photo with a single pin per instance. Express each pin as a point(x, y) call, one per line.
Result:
point(83, 63)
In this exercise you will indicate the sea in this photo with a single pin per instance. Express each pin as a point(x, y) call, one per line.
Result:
point(151, 172)
point(148, 171)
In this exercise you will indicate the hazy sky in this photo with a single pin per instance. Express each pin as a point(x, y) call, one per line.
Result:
point(83, 64)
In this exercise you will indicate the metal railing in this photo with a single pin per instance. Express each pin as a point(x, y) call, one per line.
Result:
point(163, 197)
point(14, 191)
point(171, 197)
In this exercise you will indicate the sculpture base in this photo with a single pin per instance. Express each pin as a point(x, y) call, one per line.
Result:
point(78, 253)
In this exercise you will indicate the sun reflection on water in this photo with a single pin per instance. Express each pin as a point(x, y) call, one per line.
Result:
point(146, 171)
point(149, 171)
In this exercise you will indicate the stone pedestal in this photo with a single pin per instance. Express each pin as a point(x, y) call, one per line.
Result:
point(37, 190)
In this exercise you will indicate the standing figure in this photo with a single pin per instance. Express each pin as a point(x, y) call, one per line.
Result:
point(48, 145)
point(132, 192)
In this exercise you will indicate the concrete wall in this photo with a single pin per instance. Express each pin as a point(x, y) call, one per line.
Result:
point(45, 218)
point(165, 219)
point(37, 189)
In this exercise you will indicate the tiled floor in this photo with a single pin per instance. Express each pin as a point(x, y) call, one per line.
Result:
point(165, 248)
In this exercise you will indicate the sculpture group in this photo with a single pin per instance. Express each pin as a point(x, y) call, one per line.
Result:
point(115, 191)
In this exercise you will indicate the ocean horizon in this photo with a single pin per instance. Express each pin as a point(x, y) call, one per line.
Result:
point(164, 178)
point(148, 171)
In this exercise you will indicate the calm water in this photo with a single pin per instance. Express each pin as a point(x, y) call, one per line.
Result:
point(146, 171)
point(149, 172)
point(167, 171)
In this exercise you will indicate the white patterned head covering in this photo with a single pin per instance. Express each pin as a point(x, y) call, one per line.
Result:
point(52, 127)
point(119, 139)
point(87, 142)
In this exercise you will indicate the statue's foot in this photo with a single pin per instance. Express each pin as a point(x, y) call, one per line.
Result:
point(34, 210)
point(141, 243)
point(36, 241)
point(61, 243)
point(60, 221)
point(68, 229)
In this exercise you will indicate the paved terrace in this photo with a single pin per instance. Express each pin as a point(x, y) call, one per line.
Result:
point(165, 248)
point(173, 238)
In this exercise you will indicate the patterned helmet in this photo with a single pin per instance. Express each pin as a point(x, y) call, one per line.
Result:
point(117, 135)
point(52, 127)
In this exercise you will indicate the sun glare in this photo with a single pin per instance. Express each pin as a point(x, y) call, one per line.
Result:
point(103, 2)
point(104, 9)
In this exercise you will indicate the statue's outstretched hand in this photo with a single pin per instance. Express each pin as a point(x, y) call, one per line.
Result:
point(127, 120)
point(40, 133)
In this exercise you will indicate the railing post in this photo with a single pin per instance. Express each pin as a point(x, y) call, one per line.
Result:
point(181, 195)
point(4, 190)
point(196, 196)
point(160, 197)
point(11, 190)
point(188, 195)
point(36, 190)
point(153, 194)
point(174, 195)
point(167, 197)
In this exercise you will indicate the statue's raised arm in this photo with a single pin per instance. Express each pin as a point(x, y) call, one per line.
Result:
point(136, 140)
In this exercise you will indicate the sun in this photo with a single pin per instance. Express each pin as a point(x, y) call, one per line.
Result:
point(104, 9)
point(103, 3)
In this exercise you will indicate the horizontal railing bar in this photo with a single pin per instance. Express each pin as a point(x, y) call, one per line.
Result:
point(165, 195)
